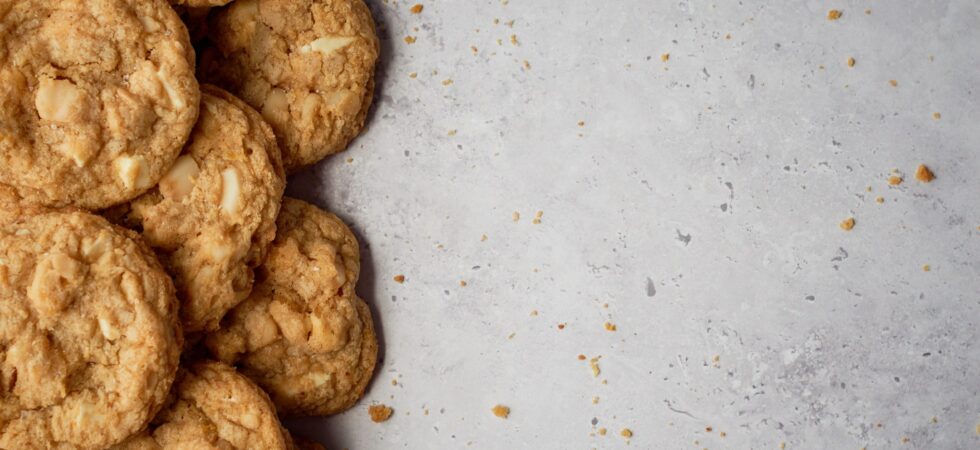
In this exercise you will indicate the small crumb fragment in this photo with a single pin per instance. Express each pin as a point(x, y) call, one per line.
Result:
point(782, 446)
point(895, 180)
point(581, 123)
point(610, 326)
point(923, 174)
point(834, 14)
point(894, 83)
point(379, 413)
point(516, 216)
point(595, 400)
point(905, 440)
point(416, 9)
point(399, 278)
point(847, 224)
point(934, 419)
point(501, 411)
point(537, 217)
point(626, 433)
point(664, 57)
point(867, 11)
point(926, 268)
point(350, 160)
point(581, 357)
point(851, 62)
point(602, 431)
point(413, 75)
point(534, 312)
point(409, 40)
point(527, 65)
point(513, 40)
point(451, 132)
point(722, 434)
point(594, 365)
point(728, 36)
point(511, 336)
point(394, 382)
point(708, 429)
point(879, 199)
point(462, 283)
point(483, 238)
point(937, 116)
point(447, 81)
point(561, 326)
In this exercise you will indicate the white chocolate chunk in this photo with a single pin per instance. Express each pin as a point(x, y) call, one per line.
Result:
point(133, 172)
point(59, 100)
point(275, 109)
point(109, 331)
point(149, 23)
point(78, 149)
point(327, 44)
point(231, 191)
point(179, 181)
point(175, 99)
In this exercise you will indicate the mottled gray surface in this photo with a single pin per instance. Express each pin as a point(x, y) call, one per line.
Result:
point(700, 201)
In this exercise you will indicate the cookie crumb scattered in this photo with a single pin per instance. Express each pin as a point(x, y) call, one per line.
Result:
point(926, 267)
point(937, 116)
point(516, 216)
point(851, 62)
point(894, 83)
point(923, 174)
point(447, 81)
point(581, 357)
point(462, 283)
point(610, 326)
point(602, 431)
point(513, 40)
point(708, 429)
point(501, 411)
point(380, 413)
point(561, 326)
point(399, 278)
point(834, 14)
point(665, 57)
point(934, 419)
point(879, 199)
point(847, 224)
point(409, 40)
point(782, 446)
point(722, 434)
point(581, 123)
point(527, 65)
point(417, 8)
point(350, 160)
point(895, 180)
point(537, 217)
point(728, 36)
point(451, 132)
point(905, 439)
point(534, 312)
point(595, 400)
point(868, 11)
point(483, 238)
point(594, 365)
point(413, 75)
point(394, 382)
point(626, 433)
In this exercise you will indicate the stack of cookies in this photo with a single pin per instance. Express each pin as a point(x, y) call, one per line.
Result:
point(156, 288)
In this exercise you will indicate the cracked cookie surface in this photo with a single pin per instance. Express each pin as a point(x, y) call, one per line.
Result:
point(303, 334)
point(89, 339)
point(213, 214)
point(307, 66)
point(96, 98)
point(213, 407)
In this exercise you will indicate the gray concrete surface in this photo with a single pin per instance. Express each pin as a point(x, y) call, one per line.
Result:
point(697, 209)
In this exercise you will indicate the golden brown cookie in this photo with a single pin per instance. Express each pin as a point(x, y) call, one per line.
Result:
point(301, 443)
point(307, 65)
point(96, 98)
point(89, 339)
point(213, 215)
point(303, 334)
point(199, 3)
point(213, 407)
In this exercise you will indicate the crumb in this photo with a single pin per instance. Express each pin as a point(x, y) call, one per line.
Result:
point(462, 283)
point(511, 336)
point(722, 434)
point(879, 199)
point(867, 11)
point(581, 123)
point(447, 81)
point(820, 67)
point(350, 160)
point(483, 238)
point(602, 431)
point(905, 440)
point(934, 419)
point(708, 429)
point(926, 267)
point(513, 40)
point(595, 400)
point(409, 40)
point(937, 116)
point(894, 83)
point(413, 75)
point(847, 224)
point(851, 62)
point(379, 413)
point(496, 21)
point(978, 429)
point(923, 174)
point(394, 382)
point(474, 49)
point(537, 217)
point(664, 57)
point(834, 14)
point(534, 312)
point(728, 36)
point(782, 446)
point(501, 411)
point(610, 326)
point(561, 326)
point(510, 23)
point(605, 305)
point(425, 412)
point(516, 216)
point(594, 364)
point(451, 133)
point(604, 381)
point(399, 279)
point(626, 433)
point(868, 189)
point(895, 180)
point(527, 65)
point(416, 9)
point(581, 357)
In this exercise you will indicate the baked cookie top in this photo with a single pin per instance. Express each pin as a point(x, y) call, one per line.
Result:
point(306, 65)
point(89, 339)
point(213, 407)
point(213, 214)
point(96, 98)
point(303, 334)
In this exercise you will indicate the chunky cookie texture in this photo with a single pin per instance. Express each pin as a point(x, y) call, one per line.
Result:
point(306, 65)
point(303, 334)
point(89, 339)
point(213, 214)
point(213, 407)
point(96, 98)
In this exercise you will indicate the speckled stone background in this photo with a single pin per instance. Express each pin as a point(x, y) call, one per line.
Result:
point(697, 209)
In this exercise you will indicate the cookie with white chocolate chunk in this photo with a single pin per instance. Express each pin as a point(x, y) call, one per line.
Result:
point(96, 98)
point(307, 65)
point(213, 215)
point(303, 334)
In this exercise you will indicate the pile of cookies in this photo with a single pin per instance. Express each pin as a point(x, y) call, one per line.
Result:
point(156, 288)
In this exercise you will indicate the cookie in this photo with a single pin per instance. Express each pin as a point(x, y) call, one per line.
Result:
point(306, 65)
point(303, 334)
point(89, 339)
point(96, 98)
point(213, 214)
point(300, 443)
point(213, 407)
point(199, 3)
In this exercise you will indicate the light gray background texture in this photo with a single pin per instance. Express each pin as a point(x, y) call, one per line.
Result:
point(696, 209)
